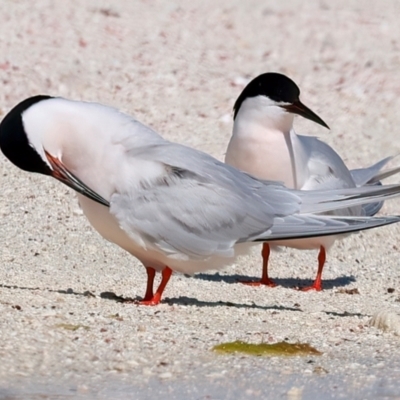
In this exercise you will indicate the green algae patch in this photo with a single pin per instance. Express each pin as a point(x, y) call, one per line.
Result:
point(265, 349)
point(70, 327)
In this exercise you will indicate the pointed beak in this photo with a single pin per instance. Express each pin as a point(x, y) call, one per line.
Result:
point(299, 108)
point(60, 172)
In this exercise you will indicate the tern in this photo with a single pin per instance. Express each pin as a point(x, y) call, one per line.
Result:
point(172, 207)
point(265, 144)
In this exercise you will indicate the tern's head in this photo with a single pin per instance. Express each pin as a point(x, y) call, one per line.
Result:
point(273, 99)
point(21, 145)
point(33, 137)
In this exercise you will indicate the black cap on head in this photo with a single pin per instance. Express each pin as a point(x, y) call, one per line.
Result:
point(14, 142)
point(276, 86)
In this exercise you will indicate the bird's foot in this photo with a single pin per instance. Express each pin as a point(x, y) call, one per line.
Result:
point(317, 286)
point(154, 301)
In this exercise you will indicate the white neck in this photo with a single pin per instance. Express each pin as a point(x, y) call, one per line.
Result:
point(262, 112)
point(261, 142)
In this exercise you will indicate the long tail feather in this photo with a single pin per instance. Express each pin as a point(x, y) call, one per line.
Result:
point(323, 201)
point(306, 226)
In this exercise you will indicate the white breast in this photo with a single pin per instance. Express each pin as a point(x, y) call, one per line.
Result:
point(266, 155)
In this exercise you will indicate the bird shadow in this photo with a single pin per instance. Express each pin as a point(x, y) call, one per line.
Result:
point(182, 300)
point(86, 293)
point(119, 299)
point(191, 301)
point(294, 283)
point(345, 314)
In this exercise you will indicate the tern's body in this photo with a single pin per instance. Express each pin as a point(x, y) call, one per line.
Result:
point(172, 207)
point(265, 144)
point(114, 172)
point(299, 162)
point(150, 255)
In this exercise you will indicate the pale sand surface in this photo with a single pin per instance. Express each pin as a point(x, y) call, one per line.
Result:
point(178, 66)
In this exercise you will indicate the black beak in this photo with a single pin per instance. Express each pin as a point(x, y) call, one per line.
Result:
point(63, 175)
point(299, 108)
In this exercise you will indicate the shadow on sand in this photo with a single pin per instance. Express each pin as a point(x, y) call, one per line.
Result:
point(183, 300)
point(286, 282)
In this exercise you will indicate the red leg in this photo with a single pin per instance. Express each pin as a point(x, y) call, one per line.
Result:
point(317, 285)
point(265, 280)
point(166, 274)
point(151, 272)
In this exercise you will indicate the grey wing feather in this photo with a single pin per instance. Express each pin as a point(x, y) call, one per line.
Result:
point(202, 207)
point(325, 166)
point(316, 201)
point(335, 174)
point(199, 206)
point(363, 176)
point(371, 209)
point(372, 176)
point(384, 175)
point(303, 226)
point(184, 214)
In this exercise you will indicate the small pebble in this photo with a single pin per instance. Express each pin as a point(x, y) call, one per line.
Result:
point(295, 393)
point(165, 375)
point(386, 321)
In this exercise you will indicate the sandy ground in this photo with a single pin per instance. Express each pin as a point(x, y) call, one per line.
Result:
point(179, 66)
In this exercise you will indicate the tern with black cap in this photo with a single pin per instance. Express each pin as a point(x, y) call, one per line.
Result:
point(265, 144)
